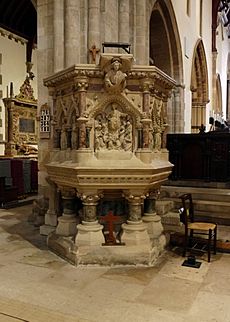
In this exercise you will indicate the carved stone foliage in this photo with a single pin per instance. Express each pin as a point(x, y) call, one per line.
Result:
point(113, 129)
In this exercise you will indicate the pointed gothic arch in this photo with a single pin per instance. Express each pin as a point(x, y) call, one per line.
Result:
point(166, 53)
point(199, 87)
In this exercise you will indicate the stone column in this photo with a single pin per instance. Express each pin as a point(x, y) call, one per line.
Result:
point(94, 23)
point(89, 231)
point(214, 98)
point(141, 34)
point(177, 108)
point(123, 32)
point(51, 214)
point(82, 85)
point(153, 222)
point(72, 32)
point(58, 26)
point(146, 121)
point(67, 222)
point(135, 231)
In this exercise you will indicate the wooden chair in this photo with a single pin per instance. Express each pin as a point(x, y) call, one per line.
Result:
point(205, 229)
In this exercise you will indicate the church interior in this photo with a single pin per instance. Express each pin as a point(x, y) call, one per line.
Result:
point(115, 160)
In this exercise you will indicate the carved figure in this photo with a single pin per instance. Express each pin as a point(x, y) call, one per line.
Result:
point(100, 139)
point(113, 130)
point(26, 149)
point(63, 139)
point(158, 124)
point(128, 137)
point(74, 137)
point(82, 136)
point(114, 118)
point(94, 51)
point(115, 79)
point(122, 134)
point(157, 138)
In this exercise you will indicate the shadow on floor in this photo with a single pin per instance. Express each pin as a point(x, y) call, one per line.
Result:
point(16, 223)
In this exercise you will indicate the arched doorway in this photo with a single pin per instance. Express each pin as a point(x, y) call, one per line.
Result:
point(199, 87)
point(166, 54)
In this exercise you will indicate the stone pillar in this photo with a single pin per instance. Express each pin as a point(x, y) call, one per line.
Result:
point(89, 231)
point(82, 85)
point(214, 89)
point(51, 214)
point(72, 32)
point(94, 23)
point(135, 231)
point(123, 32)
point(146, 121)
point(175, 108)
point(141, 52)
point(67, 222)
point(58, 25)
point(153, 221)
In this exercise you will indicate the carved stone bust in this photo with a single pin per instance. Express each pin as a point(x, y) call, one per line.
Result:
point(115, 79)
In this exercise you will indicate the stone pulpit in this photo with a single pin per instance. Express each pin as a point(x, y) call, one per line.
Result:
point(108, 155)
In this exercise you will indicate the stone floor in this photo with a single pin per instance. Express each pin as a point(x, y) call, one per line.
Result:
point(36, 285)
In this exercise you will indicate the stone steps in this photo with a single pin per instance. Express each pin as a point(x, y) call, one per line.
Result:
point(212, 194)
point(210, 204)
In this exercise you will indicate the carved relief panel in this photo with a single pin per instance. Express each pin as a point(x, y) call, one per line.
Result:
point(113, 129)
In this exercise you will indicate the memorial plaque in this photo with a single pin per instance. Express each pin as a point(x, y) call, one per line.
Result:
point(26, 125)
